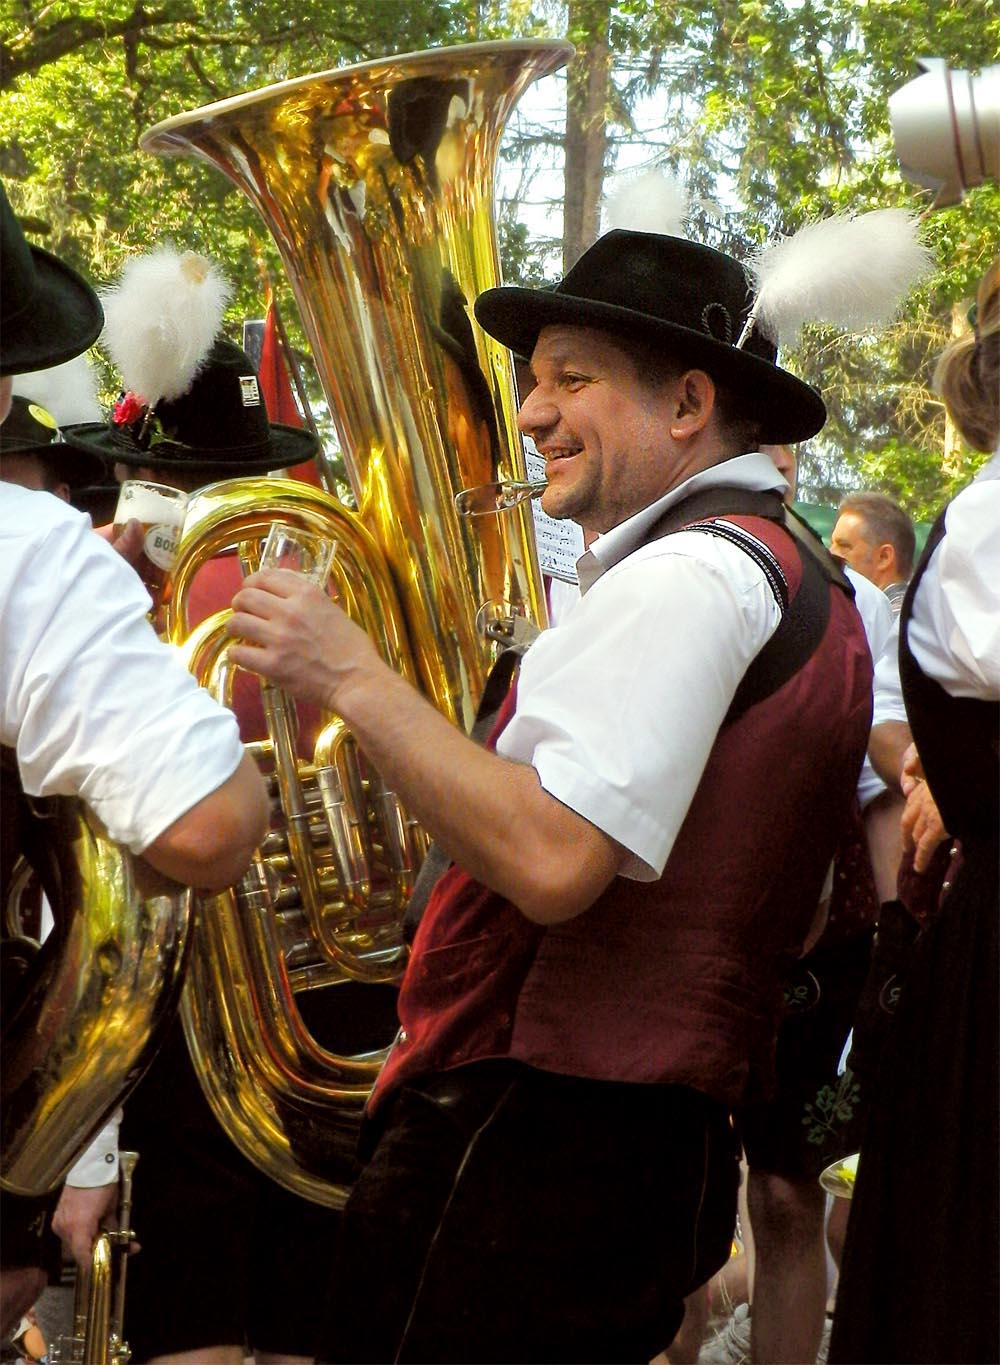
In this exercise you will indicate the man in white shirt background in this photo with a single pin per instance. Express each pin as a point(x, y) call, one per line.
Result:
point(91, 704)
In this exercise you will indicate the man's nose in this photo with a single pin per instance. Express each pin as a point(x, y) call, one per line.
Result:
point(536, 413)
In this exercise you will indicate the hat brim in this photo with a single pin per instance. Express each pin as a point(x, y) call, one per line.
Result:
point(787, 408)
point(77, 467)
point(65, 319)
point(287, 446)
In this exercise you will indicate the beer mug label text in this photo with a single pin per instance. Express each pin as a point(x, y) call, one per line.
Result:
point(161, 545)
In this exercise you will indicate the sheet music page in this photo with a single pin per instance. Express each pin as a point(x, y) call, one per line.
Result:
point(560, 543)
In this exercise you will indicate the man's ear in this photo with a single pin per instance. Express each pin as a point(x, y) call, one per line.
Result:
point(885, 555)
point(694, 401)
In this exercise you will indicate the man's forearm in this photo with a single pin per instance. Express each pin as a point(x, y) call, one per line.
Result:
point(490, 815)
point(887, 745)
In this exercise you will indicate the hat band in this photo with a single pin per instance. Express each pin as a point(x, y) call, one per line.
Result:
point(126, 441)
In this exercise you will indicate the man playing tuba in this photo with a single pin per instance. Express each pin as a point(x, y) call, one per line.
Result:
point(594, 983)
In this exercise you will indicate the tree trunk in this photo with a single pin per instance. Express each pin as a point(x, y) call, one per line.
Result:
point(588, 82)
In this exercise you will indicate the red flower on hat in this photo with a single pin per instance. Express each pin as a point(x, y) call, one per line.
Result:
point(127, 410)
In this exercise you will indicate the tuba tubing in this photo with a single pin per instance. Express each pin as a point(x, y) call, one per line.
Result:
point(377, 184)
point(340, 856)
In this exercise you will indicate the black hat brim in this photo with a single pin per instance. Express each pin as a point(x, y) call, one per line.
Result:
point(287, 446)
point(787, 408)
point(64, 320)
point(77, 466)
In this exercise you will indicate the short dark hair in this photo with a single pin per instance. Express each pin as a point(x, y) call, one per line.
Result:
point(51, 475)
point(887, 524)
point(656, 365)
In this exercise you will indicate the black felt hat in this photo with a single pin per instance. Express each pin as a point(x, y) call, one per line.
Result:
point(48, 313)
point(219, 427)
point(30, 429)
point(660, 288)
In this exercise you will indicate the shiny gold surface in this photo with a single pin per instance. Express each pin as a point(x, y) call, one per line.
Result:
point(377, 183)
point(323, 902)
point(100, 992)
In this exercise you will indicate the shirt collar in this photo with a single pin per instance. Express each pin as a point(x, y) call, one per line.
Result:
point(755, 473)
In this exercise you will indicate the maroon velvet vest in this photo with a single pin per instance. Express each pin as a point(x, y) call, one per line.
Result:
point(679, 980)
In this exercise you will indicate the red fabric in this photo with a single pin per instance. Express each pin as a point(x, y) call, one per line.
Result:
point(276, 387)
point(678, 980)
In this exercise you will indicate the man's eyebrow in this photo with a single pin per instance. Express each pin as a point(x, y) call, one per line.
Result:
point(559, 355)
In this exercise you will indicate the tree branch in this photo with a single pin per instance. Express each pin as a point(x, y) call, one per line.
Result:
point(38, 47)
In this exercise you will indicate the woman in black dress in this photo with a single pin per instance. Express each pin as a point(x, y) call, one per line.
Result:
point(920, 1279)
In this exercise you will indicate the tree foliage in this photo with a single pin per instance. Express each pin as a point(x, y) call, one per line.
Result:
point(775, 111)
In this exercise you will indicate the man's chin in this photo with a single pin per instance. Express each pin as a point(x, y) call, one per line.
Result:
point(559, 504)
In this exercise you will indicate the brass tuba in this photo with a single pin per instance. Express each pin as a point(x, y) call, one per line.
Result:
point(103, 986)
point(376, 182)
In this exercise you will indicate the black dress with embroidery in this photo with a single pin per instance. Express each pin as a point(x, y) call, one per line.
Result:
point(920, 1280)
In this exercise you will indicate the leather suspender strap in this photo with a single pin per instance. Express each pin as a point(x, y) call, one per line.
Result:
point(803, 619)
point(802, 626)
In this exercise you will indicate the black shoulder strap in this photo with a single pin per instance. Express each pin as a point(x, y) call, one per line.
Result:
point(804, 618)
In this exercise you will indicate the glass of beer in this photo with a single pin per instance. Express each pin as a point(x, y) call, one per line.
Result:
point(161, 511)
point(302, 551)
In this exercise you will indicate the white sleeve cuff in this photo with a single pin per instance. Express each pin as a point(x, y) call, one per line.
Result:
point(98, 1165)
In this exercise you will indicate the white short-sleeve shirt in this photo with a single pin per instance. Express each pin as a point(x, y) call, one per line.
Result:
point(619, 705)
point(954, 630)
point(93, 703)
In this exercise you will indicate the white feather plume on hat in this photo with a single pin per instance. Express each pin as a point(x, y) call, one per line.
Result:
point(161, 319)
point(68, 392)
point(852, 272)
point(651, 202)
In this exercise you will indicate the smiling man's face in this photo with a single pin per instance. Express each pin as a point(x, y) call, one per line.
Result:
point(604, 432)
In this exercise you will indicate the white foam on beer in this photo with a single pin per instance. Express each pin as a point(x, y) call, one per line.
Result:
point(149, 505)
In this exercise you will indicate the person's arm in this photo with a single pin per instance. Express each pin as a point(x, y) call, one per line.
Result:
point(887, 746)
point(467, 797)
point(954, 630)
point(89, 1195)
point(609, 740)
point(210, 845)
point(97, 707)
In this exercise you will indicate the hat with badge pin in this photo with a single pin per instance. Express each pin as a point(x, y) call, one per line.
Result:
point(190, 398)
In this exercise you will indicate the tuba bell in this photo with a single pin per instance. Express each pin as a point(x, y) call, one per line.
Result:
point(92, 1009)
point(376, 182)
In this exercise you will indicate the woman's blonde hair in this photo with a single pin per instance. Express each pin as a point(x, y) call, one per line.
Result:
point(967, 375)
